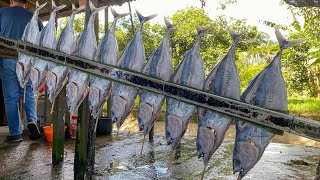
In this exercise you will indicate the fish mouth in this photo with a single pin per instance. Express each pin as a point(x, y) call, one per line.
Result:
point(51, 81)
point(174, 130)
point(206, 141)
point(118, 109)
point(72, 91)
point(145, 115)
point(246, 155)
point(35, 75)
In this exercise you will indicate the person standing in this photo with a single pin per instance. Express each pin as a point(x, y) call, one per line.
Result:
point(13, 21)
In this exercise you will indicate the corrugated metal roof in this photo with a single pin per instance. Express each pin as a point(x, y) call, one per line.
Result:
point(45, 12)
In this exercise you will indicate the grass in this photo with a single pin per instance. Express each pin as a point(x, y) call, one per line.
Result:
point(307, 107)
point(304, 105)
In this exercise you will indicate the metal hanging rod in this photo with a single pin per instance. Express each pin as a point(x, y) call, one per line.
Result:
point(267, 118)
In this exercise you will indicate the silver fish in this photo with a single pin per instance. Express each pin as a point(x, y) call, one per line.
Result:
point(190, 72)
point(77, 87)
point(133, 58)
point(58, 76)
point(47, 38)
point(159, 65)
point(223, 81)
point(30, 34)
point(267, 90)
point(106, 53)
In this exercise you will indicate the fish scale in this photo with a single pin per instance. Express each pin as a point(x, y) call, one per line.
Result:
point(78, 86)
point(223, 81)
point(133, 58)
point(107, 53)
point(30, 35)
point(267, 90)
point(47, 39)
point(159, 65)
point(58, 75)
point(190, 72)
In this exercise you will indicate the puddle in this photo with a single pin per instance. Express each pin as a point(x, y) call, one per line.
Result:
point(118, 157)
point(131, 124)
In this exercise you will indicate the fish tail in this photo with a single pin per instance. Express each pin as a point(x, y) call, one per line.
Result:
point(38, 7)
point(117, 15)
point(235, 36)
point(201, 31)
point(95, 10)
point(76, 10)
point(169, 25)
point(144, 19)
point(284, 44)
point(56, 8)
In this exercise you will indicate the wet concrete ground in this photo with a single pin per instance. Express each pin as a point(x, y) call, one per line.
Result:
point(117, 157)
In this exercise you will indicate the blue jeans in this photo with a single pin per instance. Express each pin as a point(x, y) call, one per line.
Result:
point(11, 92)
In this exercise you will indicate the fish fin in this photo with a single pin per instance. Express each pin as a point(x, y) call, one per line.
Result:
point(146, 68)
point(95, 10)
point(53, 4)
point(38, 7)
point(55, 7)
point(177, 73)
point(168, 24)
point(235, 36)
point(76, 10)
point(144, 19)
point(201, 31)
point(284, 44)
point(117, 15)
point(73, 8)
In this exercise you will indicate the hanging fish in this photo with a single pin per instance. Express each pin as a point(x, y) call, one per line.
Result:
point(77, 88)
point(159, 66)
point(47, 38)
point(58, 75)
point(133, 58)
point(267, 90)
point(30, 34)
point(190, 72)
point(222, 81)
point(107, 53)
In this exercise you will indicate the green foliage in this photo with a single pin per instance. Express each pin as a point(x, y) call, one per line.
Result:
point(303, 62)
point(303, 105)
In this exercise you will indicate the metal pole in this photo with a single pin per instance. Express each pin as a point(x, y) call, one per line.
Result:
point(270, 120)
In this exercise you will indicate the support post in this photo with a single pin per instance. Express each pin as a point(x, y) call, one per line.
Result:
point(58, 132)
point(80, 158)
point(106, 28)
point(91, 148)
point(58, 119)
point(131, 19)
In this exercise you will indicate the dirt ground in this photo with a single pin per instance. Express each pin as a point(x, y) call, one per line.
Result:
point(117, 157)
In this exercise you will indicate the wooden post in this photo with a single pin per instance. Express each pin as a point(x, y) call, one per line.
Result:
point(106, 28)
point(131, 19)
point(58, 132)
point(92, 121)
point(80, 158)
point(58, 119)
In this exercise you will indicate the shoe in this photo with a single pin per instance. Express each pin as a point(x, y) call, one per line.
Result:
point(13, 139)
point(34, 131)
